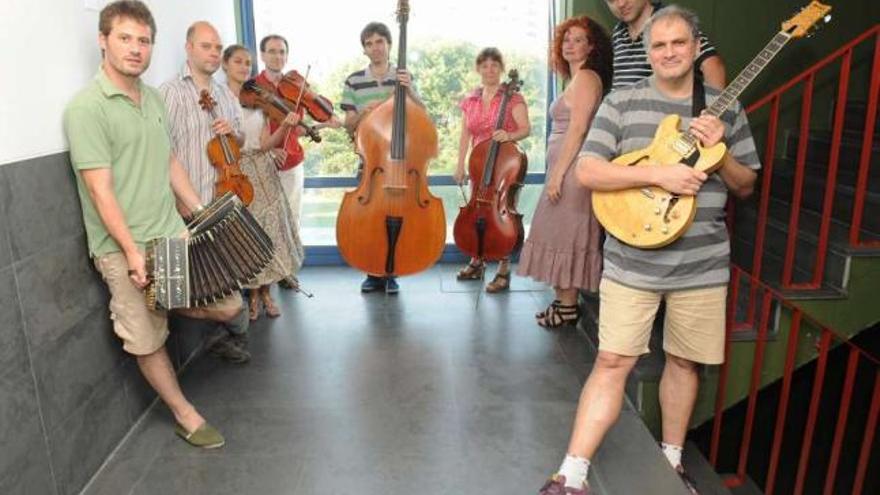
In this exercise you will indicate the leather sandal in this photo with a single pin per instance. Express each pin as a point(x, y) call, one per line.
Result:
point(561, 314)
point(254, 306)
point(473, 271)
point(500, 283)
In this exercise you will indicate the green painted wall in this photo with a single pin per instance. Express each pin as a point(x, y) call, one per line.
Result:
point(739, 29)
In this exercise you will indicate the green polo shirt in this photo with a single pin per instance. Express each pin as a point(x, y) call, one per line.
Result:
point(106, 129)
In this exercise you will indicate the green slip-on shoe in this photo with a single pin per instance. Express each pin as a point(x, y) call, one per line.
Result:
point(205, 436)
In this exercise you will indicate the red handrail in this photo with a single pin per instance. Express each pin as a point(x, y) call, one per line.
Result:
point(829, 336)
point(808, 78)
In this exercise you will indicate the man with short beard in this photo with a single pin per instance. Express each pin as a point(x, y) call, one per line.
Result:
point(122, 159)
point(191, 129)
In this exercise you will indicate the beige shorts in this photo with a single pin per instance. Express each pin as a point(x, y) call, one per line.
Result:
point(693, 328)
point(143, 331)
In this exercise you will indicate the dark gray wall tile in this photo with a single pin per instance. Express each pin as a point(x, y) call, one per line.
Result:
point(70, 369)
point(5, 199)
point(58, 288)
point(13, 347)
point(24, 464)
point(42, 202)
point(80, 444)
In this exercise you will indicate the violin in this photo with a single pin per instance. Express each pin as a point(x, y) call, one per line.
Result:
point(293, 87)
point(253, 95)
point(392, 224)
point(489, 227)
point(224, 154)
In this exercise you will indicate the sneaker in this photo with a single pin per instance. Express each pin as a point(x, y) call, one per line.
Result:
point(391, 286)
point(556, 486)
point(227, 350)
point(372, 284)
point(687, 480)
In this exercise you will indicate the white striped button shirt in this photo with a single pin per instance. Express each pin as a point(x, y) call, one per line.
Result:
point(190, 126)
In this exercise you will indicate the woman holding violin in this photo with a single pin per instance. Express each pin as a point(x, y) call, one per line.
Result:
point(563, 247)
point(480, 113)
point(259, 156)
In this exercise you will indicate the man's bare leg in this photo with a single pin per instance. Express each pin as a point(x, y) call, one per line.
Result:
point(157, 369)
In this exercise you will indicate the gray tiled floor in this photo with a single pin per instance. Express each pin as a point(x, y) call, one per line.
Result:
point(441, 389)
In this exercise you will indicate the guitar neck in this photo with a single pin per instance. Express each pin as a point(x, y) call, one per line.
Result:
point(738, 85)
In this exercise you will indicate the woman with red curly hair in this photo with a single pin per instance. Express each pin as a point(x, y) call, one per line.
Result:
point(563, 247)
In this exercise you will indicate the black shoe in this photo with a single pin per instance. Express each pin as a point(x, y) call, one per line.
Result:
point(373, 284)
point(391, 286)
point(226, 349)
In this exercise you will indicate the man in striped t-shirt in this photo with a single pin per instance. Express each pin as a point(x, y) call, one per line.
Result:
point(364, 90)
point(691, 274)
point(630, 60)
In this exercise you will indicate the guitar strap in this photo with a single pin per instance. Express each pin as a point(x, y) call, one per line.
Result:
point(698, 102)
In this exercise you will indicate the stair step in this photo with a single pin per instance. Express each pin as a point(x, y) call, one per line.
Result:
point(748, 487)
point(836, 268)
point(813, 196)
point(698, 468)
point(854, 116)
point(819, 146)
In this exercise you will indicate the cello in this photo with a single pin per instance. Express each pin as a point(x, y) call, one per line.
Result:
point(391, 224)
point(489, 227)
point(224, 154)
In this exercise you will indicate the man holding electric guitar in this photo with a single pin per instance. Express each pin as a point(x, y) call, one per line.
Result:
point(690, 273)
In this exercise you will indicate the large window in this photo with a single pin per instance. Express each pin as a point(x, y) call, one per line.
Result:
point(443, 40)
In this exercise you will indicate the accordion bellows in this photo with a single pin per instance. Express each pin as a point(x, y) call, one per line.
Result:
point(226, 248)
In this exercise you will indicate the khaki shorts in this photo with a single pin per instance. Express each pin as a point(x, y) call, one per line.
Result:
point(143, 331)
point(693, 328)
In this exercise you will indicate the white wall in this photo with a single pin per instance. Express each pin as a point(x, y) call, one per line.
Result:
point(49, 50)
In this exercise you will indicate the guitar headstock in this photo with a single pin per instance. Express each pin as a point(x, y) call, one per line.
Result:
point(804, 21)
point(402, 11)
point(514, 83)
point(206, 101)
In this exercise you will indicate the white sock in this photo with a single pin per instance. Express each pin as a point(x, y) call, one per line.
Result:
point(575, 470)
point(673, 454)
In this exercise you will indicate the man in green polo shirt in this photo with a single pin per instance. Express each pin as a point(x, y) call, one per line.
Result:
point(129, 184)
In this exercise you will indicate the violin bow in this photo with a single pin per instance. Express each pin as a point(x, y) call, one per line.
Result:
point(302, 88)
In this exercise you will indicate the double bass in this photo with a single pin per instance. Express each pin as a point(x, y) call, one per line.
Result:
point(489, 227)
point(391, 224)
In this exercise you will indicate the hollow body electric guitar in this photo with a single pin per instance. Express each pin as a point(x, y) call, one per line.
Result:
point(651, 217)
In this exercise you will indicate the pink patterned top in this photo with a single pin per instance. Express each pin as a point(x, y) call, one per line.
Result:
point(481, 124)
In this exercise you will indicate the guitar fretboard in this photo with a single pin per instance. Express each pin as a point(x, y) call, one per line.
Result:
point(735, 88)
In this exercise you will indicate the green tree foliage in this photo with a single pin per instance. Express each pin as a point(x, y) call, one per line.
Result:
point(443, 73)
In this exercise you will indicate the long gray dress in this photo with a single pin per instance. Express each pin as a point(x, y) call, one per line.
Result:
point(563, 248)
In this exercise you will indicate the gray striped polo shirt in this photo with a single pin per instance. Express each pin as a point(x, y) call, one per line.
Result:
point(362, 88)
point(626, 121)
point(630, 59)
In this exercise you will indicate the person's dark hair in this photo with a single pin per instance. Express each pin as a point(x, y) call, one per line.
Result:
point(600, 58)
point(230, 50)
point(490, 53)
point(375, 28)
point(128, 9)
point(267, 39)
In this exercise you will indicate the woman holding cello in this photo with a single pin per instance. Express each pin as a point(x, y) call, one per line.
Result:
point(480, 109)
point(563, 247)
point(269, 206)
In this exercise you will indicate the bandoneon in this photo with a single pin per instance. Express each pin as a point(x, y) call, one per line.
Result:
point(226, 248)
